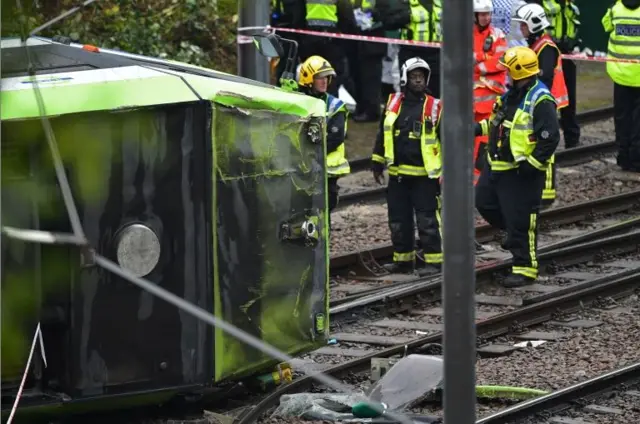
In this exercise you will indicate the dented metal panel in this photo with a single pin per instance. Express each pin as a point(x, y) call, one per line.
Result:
point(271, 270)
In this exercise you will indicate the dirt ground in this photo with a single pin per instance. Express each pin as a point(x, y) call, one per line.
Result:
point(595, 90)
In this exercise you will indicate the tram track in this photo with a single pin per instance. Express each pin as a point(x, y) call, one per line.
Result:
point(589, 293)
point(616, 279)
point(564, 158)
point(545, 407)
point(360, 261)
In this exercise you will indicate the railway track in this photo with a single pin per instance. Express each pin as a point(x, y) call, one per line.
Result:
point(547, 408)
point(497, 316)
point(564, 158)
point(587, 117)
point(362, 262)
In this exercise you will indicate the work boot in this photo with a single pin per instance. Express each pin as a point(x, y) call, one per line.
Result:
point(400, 267)
point(517, 280)
point(429, 269)
point(571, 144)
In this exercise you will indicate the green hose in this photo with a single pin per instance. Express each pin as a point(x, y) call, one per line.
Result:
point(508, 392)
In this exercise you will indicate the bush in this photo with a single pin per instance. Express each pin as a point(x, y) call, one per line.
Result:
point(200, 32)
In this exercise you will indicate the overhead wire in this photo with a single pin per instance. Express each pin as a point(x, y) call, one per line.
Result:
point(78, 238)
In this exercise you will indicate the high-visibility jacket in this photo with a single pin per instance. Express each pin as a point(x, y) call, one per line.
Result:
point(489, 79)
point(522, 141)
point(322, 13)
point(559, 88)
point(337, 163)
point(425, 24)
point(624, 43)
point(564, 19)
point(429, 141)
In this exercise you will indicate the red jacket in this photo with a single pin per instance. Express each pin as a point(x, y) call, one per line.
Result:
point(489, 79)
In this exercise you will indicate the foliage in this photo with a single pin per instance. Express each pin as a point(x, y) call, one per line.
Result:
point(200, 32)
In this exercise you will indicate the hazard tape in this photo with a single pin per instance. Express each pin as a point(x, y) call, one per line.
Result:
point(384, 40)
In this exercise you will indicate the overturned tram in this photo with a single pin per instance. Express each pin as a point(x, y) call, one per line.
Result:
point(209, 185)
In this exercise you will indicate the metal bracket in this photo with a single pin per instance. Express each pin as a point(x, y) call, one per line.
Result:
point(301, 227)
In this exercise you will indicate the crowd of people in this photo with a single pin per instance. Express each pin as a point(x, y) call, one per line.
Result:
point(524, 97)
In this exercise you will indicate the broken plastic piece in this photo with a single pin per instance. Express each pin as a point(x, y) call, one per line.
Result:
point(410, 381)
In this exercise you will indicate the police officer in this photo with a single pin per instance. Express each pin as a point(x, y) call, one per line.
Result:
point(563, 16)
point(328, 16)
point(424, 24)
point(533, 22)
point(524, 133)
point(622, 21)
point(314, 79)
point(409, 143)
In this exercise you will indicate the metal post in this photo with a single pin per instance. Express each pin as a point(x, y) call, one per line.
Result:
point(251, 63)
point(458, 233)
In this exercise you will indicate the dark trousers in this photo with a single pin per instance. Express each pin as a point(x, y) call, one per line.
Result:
point(431, 56)
point(626, 105)
point(511, 201)
point(332, 193)
point(332, 51)
point(365, 82)
point(568, 120)
point(407, 196)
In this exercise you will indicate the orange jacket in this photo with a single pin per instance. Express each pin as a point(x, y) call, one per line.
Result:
point(489, 79)
point(559, 88)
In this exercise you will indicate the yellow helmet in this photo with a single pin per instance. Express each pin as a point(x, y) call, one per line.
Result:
point(521, 61)
point(314, 67)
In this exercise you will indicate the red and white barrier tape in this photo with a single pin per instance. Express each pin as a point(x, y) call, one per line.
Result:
point(37, 337)
point(385, 40)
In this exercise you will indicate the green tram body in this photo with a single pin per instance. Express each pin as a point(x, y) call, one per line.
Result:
point(210, 185)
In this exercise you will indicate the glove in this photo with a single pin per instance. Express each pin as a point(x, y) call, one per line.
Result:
point(378, 172)
point(527, 170)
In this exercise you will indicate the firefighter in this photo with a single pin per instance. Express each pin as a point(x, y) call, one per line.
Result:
point(424, 25)
point(490, 79)
point(533, 22)
point(563, 16)
point(524, 133)
point(314, 80)
point(408, 143)
point(328, 16)
point(622, 21)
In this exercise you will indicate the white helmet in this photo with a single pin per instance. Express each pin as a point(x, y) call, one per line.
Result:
point(410, 65)
point(480, 6)
point(533, 15)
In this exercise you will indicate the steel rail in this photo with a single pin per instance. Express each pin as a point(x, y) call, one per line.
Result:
point(567, 157)
point(613, 286)
point(563, 399)
point(552, 254)
point(484, 271)
point(485, 233)
point(586, 117)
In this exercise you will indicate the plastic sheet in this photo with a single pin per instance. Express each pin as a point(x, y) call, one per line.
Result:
point(332, 407)
point(409, 382)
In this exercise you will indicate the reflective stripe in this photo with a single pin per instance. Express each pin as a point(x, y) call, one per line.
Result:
point(423, 26)
point(404, 257)
point(429, 144)
point(433, 258)
point(521, 129)
point(559, 87)
point(624, 43)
